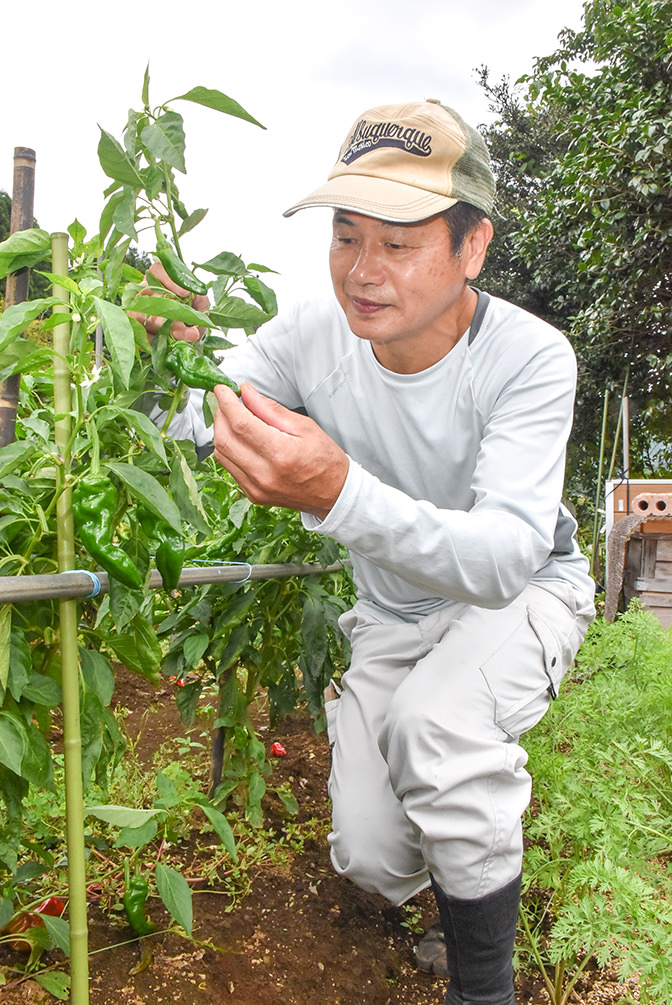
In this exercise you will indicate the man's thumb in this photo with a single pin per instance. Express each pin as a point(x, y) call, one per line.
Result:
point(269, 411)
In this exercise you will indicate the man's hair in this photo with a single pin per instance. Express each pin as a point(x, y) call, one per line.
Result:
point(461, 219)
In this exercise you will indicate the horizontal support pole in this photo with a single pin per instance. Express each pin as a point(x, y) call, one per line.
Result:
point(67, 585)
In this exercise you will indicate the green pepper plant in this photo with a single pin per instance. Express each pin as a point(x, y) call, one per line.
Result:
point(139, 498)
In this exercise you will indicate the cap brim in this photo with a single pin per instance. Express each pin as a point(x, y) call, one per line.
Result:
point(377, 197)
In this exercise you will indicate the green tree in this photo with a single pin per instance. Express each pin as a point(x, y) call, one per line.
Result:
point(583, 158)
point(523, 144)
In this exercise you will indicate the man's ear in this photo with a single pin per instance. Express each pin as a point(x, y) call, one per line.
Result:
point(475, 247)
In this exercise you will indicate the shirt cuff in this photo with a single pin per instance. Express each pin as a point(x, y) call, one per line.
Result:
point(341, 509)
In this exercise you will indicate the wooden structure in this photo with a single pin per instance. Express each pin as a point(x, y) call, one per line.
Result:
point(648, 573)
point(639, 545)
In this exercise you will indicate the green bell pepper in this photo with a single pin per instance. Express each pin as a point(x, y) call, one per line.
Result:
point(134, 900)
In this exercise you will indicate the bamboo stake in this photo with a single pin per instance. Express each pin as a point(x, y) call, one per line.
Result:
point(16, 287)
point(68, 613)
point(626, 437)
point(594, 561)
point(621, 425)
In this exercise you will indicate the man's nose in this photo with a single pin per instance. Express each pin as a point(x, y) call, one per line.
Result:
point(368, 267)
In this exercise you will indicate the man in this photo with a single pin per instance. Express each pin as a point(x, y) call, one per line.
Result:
point(423, 425)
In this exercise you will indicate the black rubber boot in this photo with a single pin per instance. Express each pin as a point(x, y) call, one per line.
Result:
point(479, 938)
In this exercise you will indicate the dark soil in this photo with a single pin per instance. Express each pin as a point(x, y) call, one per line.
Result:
point(301, 935)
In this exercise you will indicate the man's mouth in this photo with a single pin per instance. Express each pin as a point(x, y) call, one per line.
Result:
point(367, 306)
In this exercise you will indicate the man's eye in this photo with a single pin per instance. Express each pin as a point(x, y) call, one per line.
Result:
point(395, 247)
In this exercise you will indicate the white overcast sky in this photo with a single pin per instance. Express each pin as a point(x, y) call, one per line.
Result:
point(305, 69)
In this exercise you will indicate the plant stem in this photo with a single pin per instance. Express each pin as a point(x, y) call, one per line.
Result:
point(595, 553)
point(173, 406)
point(171, 214)
point(574, 978)
point(72, 742)
point(537, 956)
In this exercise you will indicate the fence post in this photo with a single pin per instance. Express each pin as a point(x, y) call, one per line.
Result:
point(16, 289)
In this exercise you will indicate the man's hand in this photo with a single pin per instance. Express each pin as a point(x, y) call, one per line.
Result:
point(152, 322)
point(277, 457)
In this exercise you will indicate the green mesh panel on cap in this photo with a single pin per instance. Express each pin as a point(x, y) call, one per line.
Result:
point(473, 181)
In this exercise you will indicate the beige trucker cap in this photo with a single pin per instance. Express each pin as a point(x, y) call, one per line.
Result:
point(406, 163)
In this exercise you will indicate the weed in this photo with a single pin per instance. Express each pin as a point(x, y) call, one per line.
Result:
point(412, 919)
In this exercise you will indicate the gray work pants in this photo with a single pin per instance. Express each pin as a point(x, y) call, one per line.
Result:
point(427, 771)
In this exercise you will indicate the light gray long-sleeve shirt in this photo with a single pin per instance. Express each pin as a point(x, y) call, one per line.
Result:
point(456, 473)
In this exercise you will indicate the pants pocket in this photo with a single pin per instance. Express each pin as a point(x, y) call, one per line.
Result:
point(330, 709)
point(524, 674)
point(556, 663)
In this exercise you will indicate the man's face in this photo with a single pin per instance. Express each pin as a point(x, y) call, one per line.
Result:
point(401, 288)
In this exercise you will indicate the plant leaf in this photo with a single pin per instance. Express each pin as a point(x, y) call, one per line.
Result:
point(116, 163)
point(138, 648)
point(217, 100)
point(173, 310)
point(15, 454)
point(121, 816)
point(184, 491)
point(15, 318)
point(145, 87)
point(222, 829)
point(6, 911)
point(176, 895)
point(148, 432)
point(149, 491)
point(5, 630)
point(24, 248)
point(262, 293)
point(234, 312)
point(165, 139)
point(225, 264)
point(20, 664)
point(59, 932)
point(42, 690)
point(12, 744)
point(119, 337)
point(137, 837)
point(123, 214)
point(192, 221)
point(55, 982)
point(194, 647)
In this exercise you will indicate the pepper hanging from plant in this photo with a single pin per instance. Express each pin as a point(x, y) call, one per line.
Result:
point(94, 500)
point(169, 555)
point(176, 269)
point(135, 901)
point(194, 369)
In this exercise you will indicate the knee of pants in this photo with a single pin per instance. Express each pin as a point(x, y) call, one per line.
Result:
point(441, 744)
point(379, 869)
point(378, 849)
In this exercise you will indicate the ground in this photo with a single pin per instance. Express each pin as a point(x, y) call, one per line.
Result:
point(300, 935)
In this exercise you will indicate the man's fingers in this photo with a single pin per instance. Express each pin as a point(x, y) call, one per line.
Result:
point(153, 322)
point(200, 302)
point(253, 406)
point(269, 411)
